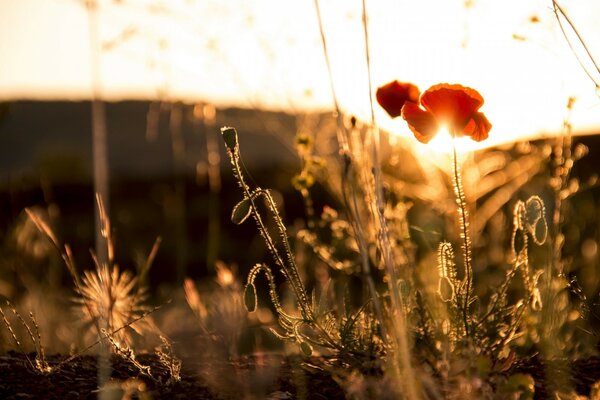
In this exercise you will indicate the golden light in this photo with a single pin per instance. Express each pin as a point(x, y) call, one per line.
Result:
point(268, 54)
point(440, 149)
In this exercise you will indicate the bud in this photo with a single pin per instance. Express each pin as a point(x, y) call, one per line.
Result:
point(250, 297)
point(230, 137)
point(241, 211)
point(306, 348)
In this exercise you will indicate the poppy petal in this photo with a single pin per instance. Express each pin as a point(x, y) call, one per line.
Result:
point(478, 127)
point(452, 104)
point(422, 123)
point(393, 95)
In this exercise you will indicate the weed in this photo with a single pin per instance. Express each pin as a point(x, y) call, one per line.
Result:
point(40, 365)
point(110, 300)
point(127, 353)
point(465, 342)
point(108, 297)
point(315, 323)
point(168, 359)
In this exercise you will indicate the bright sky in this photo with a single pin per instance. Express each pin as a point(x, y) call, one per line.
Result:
point(267, 53)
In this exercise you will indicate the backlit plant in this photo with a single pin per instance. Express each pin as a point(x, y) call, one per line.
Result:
point(466, 335)
point(315, 323)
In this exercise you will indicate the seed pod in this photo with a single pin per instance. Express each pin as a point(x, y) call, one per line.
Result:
point(306, 348)
point(250, 297)
point(540, 232)
point(446, 289)
point(241, 211)
point(230, 137)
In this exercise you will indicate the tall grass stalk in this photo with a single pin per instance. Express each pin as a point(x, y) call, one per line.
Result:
point(99, 138)
point(179, 208)
point(561, 14)
point(398, 322)
point(206, 117)
point(563, 163)
point(348, 186)
point(556, 281)
point(342, 135)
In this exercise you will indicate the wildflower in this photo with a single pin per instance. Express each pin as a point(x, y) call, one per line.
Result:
point(455, 106)
point(393, 95)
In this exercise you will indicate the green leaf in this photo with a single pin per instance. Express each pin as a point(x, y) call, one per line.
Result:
point(250, 297)
point(230, 137)
point(306, 348)
point(241, 211)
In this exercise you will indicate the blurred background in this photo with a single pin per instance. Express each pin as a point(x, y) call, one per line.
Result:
point(126, 97)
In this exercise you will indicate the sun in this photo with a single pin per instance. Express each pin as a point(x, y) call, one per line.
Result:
point(443, 143)
point(438, 152)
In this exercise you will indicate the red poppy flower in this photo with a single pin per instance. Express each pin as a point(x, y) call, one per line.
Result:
point(393, 95)
point(455, 106)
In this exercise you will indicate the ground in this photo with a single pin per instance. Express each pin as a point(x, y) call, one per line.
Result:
point(293, 378)
point(78, 380)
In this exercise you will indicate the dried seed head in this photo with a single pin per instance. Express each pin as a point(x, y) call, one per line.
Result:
point(109, 297)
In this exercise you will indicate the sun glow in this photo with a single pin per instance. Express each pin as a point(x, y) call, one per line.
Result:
point(268, 54)
point(442, 141)
point(443, 144)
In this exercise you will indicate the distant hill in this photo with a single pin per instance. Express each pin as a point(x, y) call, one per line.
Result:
point(46, 162)
point(158, 180)
point(55, 138)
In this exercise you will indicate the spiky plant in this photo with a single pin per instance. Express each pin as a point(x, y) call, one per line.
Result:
point(111, 298)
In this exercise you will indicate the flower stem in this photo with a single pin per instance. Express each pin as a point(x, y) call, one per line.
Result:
point(466, 245)
point(287, 265)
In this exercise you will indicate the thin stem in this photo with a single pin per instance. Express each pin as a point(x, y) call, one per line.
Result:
point(558, 9)
point(101, 338)
point(290, 272)
point(272, 288)
point(466, 247)
point(562, 169)
point(501, 292)
point(100, 158)
point(356, 224)
point(14, 336)
point(340, 131)
point(398, 316)
point(293, 270)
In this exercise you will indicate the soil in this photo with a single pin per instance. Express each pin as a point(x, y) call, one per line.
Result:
point(78, 379)
point(286, 378)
